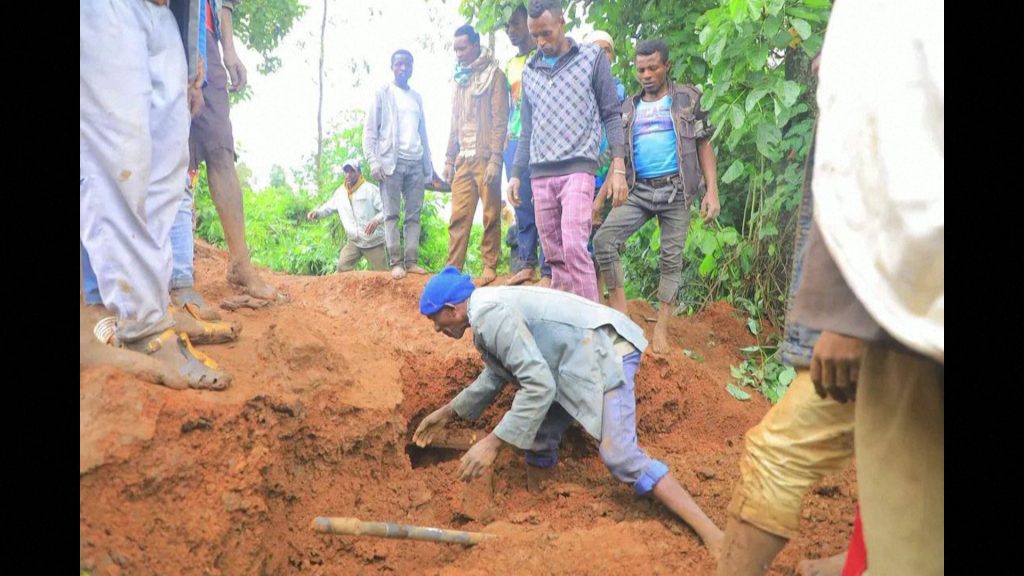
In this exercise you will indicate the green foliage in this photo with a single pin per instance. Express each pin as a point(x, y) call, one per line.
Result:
point(262, 24)
point(280, 237)
point(761, 369)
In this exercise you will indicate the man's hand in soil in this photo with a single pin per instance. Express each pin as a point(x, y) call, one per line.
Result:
point(835, 366)
point(431, 425)
point(479, 458)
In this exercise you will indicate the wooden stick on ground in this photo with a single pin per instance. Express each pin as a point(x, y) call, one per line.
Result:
point(357, 527)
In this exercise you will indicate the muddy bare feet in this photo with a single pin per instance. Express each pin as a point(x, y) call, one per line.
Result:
point(714, 545)
point(243, 301)
point(244, 276)
point(487, 277)
point(415, 269)
point(397, 273)
point(832, 566)
point(659, 343)
point(181, 297)
point(521, 277)
point(545, 282)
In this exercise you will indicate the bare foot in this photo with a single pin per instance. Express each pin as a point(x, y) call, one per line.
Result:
point(415, 269)
point(181, 297)
point(245, 277)
point(545, 282)
point(714, 545)
point(398, 272)
point(487, 277)
point(659, 344)
point(243, 301)
point(521, 277)
point(832, 566)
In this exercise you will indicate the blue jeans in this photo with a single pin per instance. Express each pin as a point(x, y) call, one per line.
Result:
point(181, 251)
point(530, 252)
point(619, 449)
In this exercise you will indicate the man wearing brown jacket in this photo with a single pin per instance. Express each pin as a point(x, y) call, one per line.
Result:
point(475, 145)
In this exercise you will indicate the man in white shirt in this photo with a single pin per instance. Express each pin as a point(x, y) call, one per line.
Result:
point(396, 148)
point(358, 204)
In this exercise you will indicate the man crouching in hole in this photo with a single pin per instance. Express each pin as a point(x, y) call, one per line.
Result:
point(572, 359)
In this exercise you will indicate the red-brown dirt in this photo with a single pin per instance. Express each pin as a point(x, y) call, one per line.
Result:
point(327, 390)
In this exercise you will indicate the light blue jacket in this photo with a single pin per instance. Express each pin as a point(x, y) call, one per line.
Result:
point(380, 132)
point(556, 346)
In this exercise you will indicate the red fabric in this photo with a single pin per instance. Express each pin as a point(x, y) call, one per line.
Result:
point(209, 16)
point(857, 557)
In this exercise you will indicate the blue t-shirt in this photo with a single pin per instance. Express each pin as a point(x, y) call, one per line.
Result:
point(654, 139)
point(551, 60)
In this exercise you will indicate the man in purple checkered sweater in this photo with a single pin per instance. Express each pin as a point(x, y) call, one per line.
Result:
point(568, 95)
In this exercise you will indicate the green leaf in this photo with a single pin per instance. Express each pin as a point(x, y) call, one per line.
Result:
point(700, 68)
point(707, 101)
point(736, 115)
point(753, 326)
point(694, 355)
point(707, 265)
point(817, 4)
point(789, 92)
point(787, 375)
point(798, 12)
point(703, 36)
point(775, 6)
point(709, 244)
point(768, 135)
point(735, 136)
point(782, 39)
point(757, 56)
point(735, 171)
point(813, 45)
point(750, 349)
point(767, 229)
point(754, 97)
point(802, 28)
point(729, 236)
point(721, 87)
point(738, 10)
point(736, 392)
point(747, 258)
point(715, 52)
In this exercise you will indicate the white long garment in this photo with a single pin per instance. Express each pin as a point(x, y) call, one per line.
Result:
point(879, 166)
point(365, 205)
point(133, 153)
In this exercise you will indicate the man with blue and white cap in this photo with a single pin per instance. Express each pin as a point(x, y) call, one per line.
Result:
point(572, 360)
point(358, 204)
